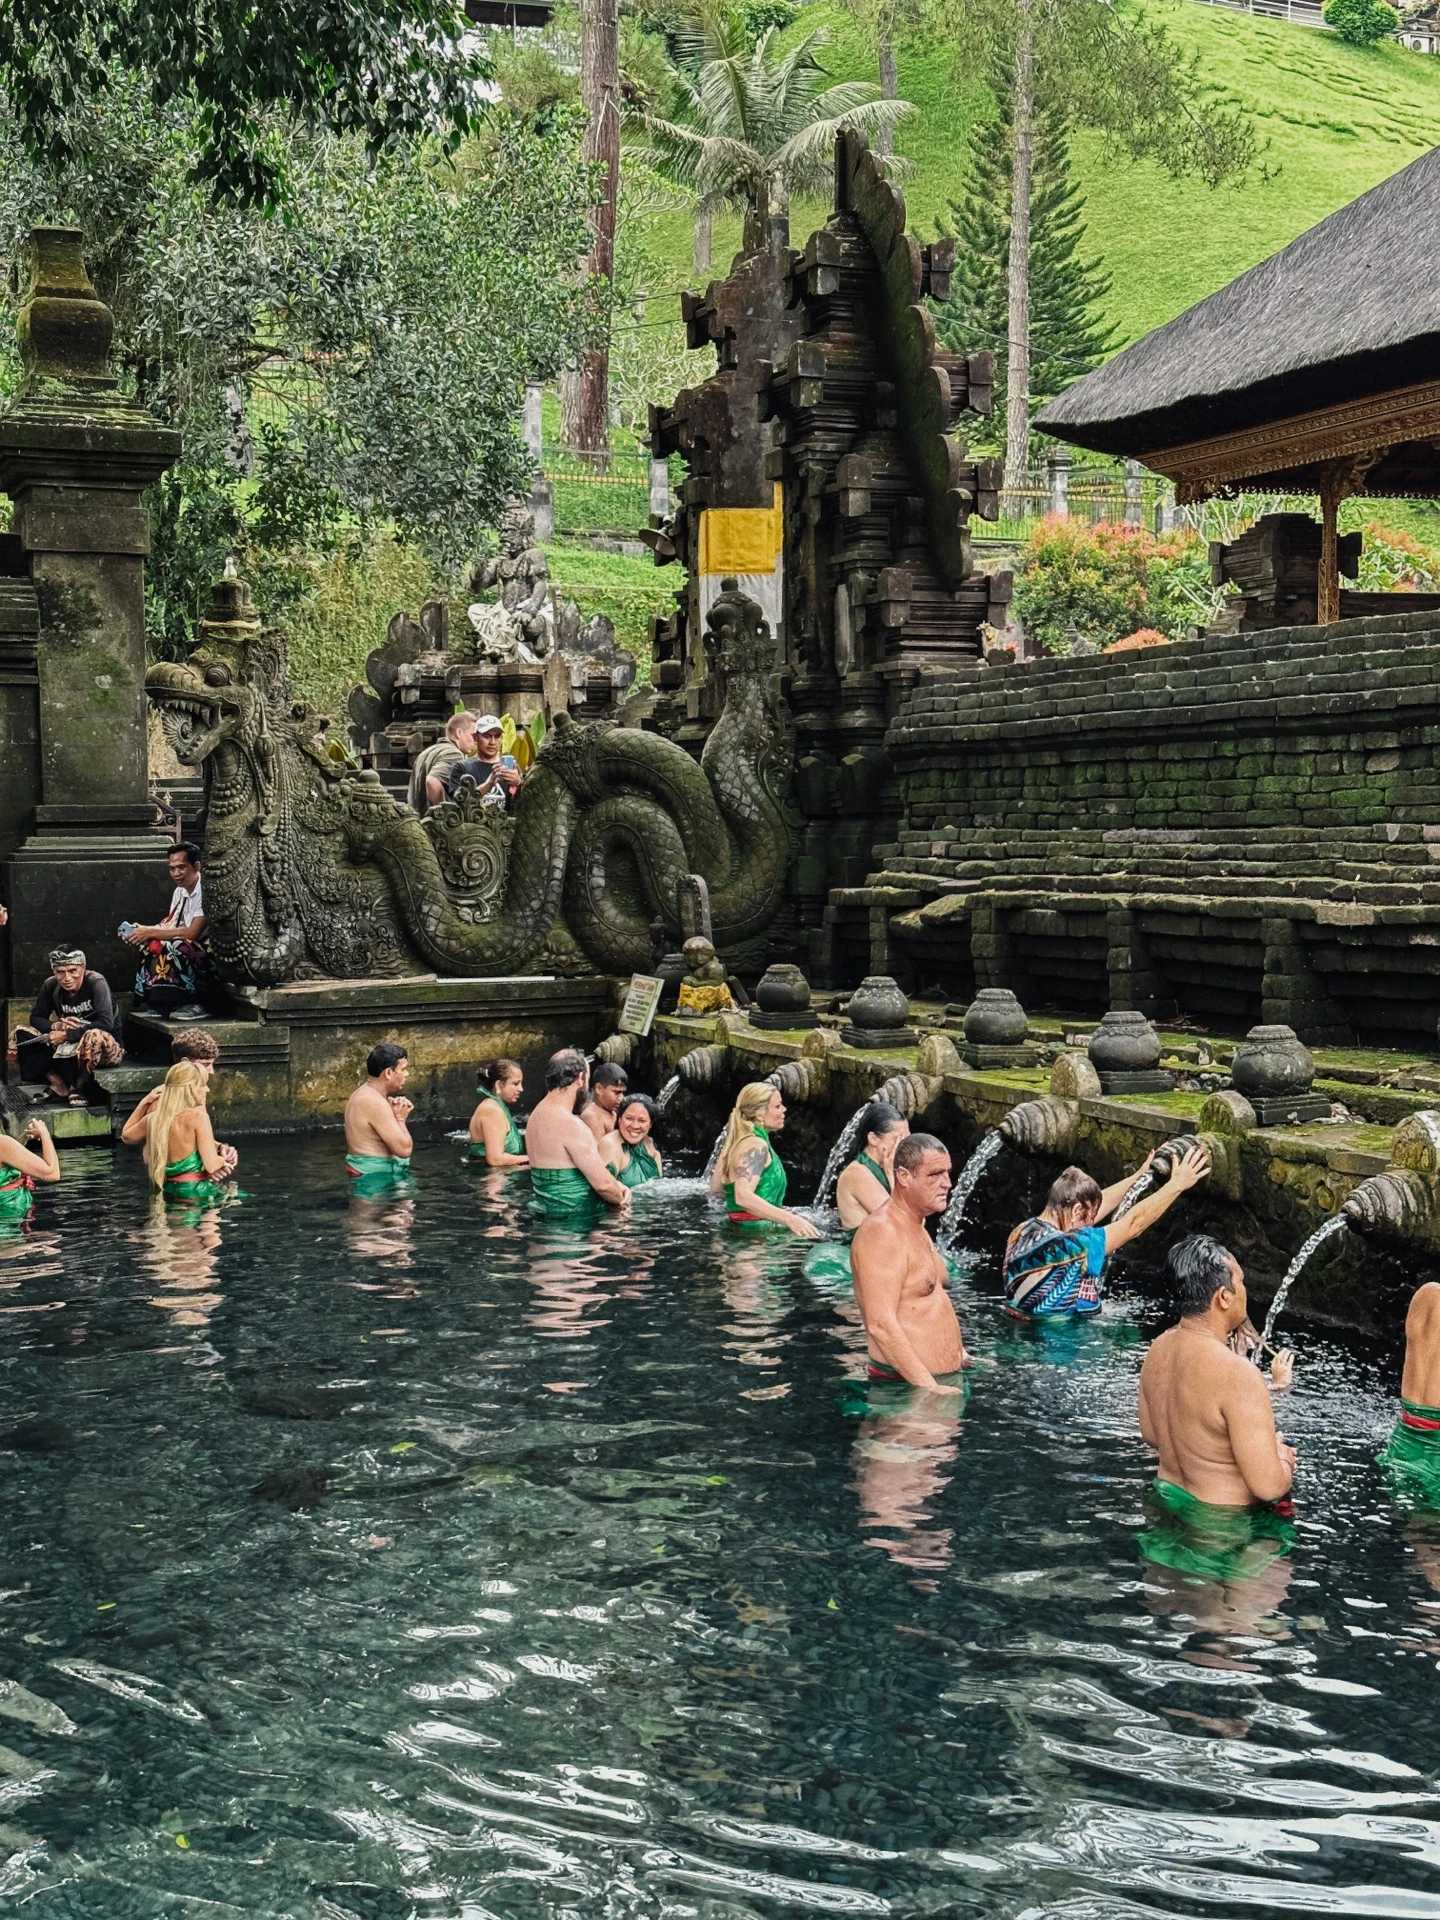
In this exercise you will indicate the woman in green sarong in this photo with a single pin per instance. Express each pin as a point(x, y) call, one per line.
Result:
point(27, 1154)
point(862, 1187)
point(630, 1151)
point(181, 1152)
point(749, 1172)
point(495, 1140)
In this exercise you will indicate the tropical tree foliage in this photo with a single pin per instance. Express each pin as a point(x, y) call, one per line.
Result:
point(374, 68)
point(757, 119)
point(1066, 337)
point(1361, 22)
point(359, 363)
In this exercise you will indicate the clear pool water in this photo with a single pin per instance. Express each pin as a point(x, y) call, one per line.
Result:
point(582, 1583)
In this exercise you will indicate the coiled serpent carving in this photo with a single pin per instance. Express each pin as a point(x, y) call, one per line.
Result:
point(313, 869)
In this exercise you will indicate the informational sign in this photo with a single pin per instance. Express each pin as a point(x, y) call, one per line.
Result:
point(642, 1002)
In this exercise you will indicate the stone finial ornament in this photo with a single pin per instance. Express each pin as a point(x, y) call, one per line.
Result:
point(1125, 1052)
point(65, 329)
point(995, 1029)
point(1274, 1071)
point(876, 1015)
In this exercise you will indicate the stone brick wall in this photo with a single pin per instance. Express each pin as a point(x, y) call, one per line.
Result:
point(1243, 827)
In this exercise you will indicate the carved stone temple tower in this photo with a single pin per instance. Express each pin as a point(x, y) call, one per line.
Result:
point(77, 852)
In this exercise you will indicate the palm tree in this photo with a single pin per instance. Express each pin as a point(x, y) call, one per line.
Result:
point(759, 122)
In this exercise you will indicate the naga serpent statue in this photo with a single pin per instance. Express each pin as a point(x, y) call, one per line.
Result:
point(313, 869)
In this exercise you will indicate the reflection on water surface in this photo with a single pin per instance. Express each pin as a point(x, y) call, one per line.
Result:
point(372, 1561)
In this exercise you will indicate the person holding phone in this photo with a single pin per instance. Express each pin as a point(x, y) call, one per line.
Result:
point(495, 774)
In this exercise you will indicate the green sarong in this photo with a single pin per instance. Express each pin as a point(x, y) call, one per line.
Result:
point(563, 1193)
point(1411, 1457)
point(202, 1192)
point(514, 1139)
point(16, 1198)
point(376, 1174)
point(1222, 1544)
point(641, 1166)
point(864, 1160)
point(772, 1187)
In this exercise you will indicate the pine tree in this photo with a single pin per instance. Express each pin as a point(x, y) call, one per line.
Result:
point(1067, 336)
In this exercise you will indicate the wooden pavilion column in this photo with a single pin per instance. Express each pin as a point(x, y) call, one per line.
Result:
point(1338, 479)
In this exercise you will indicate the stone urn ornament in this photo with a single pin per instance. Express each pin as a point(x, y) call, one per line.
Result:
point(1125, 1052)
point(995, 1027)
point(1275, 1071)
point(782, 1000)
point(877, 1014)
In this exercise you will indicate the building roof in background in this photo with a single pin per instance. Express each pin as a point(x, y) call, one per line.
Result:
point(1351, 308)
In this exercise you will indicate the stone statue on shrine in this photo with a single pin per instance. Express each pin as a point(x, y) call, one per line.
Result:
point(519, 624)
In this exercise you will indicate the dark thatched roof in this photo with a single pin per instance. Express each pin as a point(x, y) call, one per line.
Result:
point(1349, 309)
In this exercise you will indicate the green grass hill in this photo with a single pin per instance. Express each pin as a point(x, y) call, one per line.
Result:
point(1338, 119)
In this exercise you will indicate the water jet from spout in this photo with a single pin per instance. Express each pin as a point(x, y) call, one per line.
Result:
point(839, 1154)
point(970, 1177)
point(1335, 1224)
point(668, 1093)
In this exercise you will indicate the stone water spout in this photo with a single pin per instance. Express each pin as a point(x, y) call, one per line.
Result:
point(1403, 1202)
point(802, 1082)
point(701, 1067)
point(1046, 1125)
point(618, 1050)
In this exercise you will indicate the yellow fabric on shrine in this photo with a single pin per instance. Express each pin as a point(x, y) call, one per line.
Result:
point(742, 539)
point(704, 999)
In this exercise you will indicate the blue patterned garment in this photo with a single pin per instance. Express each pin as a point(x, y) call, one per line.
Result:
point(1050, 1270)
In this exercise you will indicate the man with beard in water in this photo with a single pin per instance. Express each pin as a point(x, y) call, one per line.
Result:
point(1220, 1506)
point(911, 1328)
point(567, 1175)
point(1412, 1455)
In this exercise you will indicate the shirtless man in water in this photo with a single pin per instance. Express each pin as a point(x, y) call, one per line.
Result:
point(1412, 1456)
point(377, 1139)
point(1205, 1410)
point(566, 1170)
point(911, 1329)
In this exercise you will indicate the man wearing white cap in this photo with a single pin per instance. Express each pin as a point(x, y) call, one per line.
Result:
point(495, 774)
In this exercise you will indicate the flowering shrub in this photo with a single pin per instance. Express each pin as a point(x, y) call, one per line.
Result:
point(1142, 637)
point(1106, 581)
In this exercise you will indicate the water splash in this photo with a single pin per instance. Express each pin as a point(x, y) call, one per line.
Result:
point(668, 1092)
point(1133, 1192)
point(1332, 1226)
point(839, 1154)
point(970, 1176)
point(715, 1153)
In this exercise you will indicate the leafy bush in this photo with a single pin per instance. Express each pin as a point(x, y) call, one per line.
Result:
point(1392, 561)
point(1107, 581)
point(1361, 22)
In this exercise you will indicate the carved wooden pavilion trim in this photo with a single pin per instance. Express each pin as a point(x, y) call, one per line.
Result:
point(1306, 440)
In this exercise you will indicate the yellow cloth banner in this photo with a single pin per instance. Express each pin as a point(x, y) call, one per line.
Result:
point(742, 539)
point(693, 999)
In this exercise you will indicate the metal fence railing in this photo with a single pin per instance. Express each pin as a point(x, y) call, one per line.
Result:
point(601, 493)
point(1299, 13)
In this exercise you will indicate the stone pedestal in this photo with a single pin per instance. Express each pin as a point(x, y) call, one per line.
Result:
point(995, 1028)
point(75, 458)
point(1125, 1052)
point(1274, 1071)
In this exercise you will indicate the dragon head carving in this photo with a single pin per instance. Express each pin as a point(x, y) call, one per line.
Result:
point(232, 687)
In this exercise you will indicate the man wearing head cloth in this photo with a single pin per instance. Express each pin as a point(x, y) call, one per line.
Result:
point(71, 1030)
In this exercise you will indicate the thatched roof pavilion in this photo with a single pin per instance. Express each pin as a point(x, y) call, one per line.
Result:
point(1317, 371)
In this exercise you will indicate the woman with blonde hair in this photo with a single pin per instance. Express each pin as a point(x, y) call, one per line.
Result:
point(748, 1168)
point(184, 1159)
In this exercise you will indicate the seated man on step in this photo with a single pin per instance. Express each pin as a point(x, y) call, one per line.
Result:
point(174, 971)
point(71, 1030)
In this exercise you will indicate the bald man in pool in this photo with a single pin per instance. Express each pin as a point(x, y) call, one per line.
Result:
point(911, 1327)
